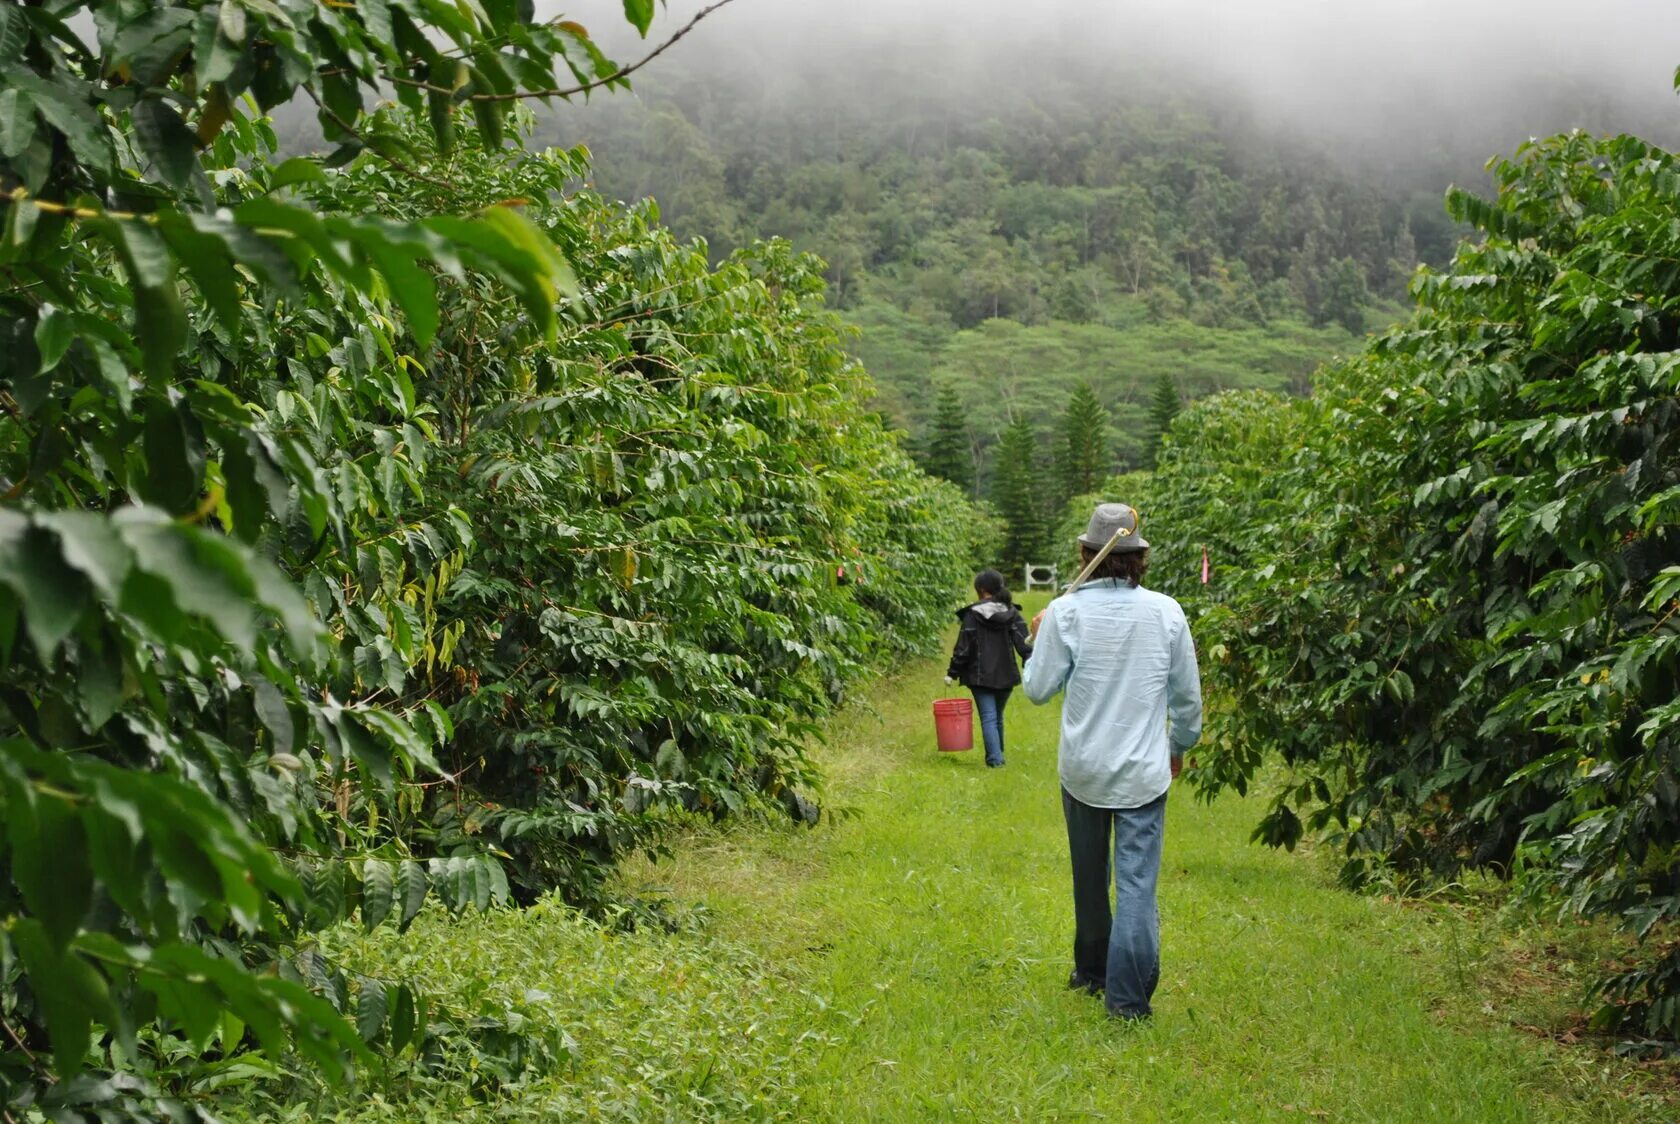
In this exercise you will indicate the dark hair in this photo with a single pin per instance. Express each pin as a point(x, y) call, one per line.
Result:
point(1127, 565)
point(990, 581)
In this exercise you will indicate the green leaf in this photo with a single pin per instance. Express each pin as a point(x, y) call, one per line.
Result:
point(160, 322)
point(412, 287)
point(271, 217)
point(207, 258)
point(376, 17)
point(441, 109)
point(445, 74)
point(50, 594)
point(151, 45)
point(70, 992)
point(378, 892)
point(341, 101)
point(639, 13)
point(366, 750)
point(113, 853)
point(99, 687)
point(207, 575)
point(372, 1005)
point(50, 863)
point(276, 593)
point(488, 115)
point(92, 546)
point(53, 336)
point(14, 32)
point(411, 886)
point(17, 122)
point(171, 147)
point(67, 105)
point(245, 496)
point(174, 476)
point(299, 169)
point(215, 55)
point(403, 1019)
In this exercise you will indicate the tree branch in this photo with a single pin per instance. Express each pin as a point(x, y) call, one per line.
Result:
point(618, 75)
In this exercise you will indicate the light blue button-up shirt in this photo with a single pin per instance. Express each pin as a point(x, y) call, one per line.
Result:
point(1128, 665)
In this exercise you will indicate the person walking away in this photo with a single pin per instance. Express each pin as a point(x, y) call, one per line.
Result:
point(1124, 657)
point(993, 632)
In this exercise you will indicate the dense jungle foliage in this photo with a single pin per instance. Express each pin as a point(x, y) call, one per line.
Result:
point(381, 529)
point(1445, 588)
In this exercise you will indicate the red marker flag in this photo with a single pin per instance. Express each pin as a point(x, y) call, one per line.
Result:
point(1204, 565)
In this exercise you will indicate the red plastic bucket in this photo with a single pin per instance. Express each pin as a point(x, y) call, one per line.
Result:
point(953, 724)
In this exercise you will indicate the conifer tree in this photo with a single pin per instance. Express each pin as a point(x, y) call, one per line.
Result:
point(1163, 408)
point(1017, 492)
point(948, 454)
point(1082, 459)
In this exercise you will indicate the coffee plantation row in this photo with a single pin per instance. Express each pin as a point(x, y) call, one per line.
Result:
point(1444, 589)
point(413, 524)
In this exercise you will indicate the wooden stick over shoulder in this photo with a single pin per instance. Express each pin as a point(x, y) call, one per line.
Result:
point(1108, 548)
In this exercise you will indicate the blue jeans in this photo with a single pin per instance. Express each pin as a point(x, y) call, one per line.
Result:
point(989, 704)
point(1122, 947)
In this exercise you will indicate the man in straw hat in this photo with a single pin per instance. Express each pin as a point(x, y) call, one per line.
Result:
point(1124, 656)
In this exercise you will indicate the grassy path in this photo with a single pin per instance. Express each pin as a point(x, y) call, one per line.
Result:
point(907, 961)
point(929, 934)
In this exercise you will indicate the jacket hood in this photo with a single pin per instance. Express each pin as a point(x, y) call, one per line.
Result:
point(993, 614)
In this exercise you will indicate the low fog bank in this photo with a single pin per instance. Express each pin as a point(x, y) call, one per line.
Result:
point(1431, 87)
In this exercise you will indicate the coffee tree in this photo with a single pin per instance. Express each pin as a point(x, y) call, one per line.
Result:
point(234, 602)
point(1447, 592)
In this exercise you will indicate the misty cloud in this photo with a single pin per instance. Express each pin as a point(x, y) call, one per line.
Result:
point(1434, 79)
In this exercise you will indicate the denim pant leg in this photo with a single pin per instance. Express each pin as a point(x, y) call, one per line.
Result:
point(1134, 945)
point(989, 705)
point(1088, 833)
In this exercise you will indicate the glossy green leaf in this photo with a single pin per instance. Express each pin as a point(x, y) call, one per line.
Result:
point(639, 13)
point(378, 893)
point(215, 55)
point(67, 105)
point(404, 1021)
point(372, 1007)
point(53, 335)
point(17, 122)
point(411, 884)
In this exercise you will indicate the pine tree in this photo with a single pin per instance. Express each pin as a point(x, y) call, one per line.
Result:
point(948, 453)
point(1082, 460)
point(1163, 408)
point(1017, 492)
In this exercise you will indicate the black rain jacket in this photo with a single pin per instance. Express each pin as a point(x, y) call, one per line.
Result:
point(982, 657)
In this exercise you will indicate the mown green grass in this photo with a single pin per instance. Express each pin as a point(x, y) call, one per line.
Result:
point(936, 924)
point(907, 960)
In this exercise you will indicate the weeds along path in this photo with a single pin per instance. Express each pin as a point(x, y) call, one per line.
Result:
point(927, 939)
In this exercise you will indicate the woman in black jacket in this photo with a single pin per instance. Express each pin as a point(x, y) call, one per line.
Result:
point(983, 660)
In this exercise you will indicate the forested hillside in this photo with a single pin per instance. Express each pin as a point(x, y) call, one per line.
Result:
point(1014, 249)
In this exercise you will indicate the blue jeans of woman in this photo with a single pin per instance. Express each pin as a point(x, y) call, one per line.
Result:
point(1119, 948)
point(989, 705)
